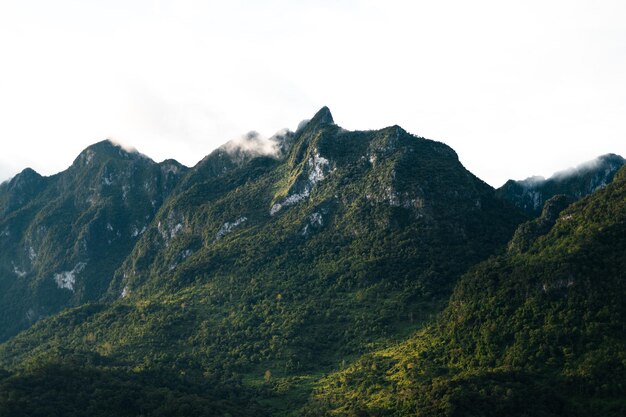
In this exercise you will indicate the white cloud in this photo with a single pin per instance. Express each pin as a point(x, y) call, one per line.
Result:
point(253, 143)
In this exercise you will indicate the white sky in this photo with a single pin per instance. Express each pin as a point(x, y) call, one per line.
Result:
point(517, 88)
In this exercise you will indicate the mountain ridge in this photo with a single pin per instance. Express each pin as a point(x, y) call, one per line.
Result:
point(242, 281)
point(77, 223)
point(333, 187)
point(531, 194)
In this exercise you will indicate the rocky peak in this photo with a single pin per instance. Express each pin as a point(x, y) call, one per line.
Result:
point(20, 189)
point(105, 150)
point(322, 117)
point(24, 179)
point(172, 165)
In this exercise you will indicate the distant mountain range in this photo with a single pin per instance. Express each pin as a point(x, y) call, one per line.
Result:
point(310, 275)
point(531, 194)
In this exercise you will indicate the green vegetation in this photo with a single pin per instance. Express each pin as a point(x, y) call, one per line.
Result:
point(534, 332)
point(310, 283)
point(63, 237)
point(72, 387)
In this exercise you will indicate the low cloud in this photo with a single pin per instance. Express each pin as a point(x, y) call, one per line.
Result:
point(609, 160)
point(302, 125)
point(125, 146)
point(532, 181)
point(253, 143)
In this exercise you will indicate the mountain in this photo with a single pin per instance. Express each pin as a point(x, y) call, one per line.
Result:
point(251, 275)
point(63, 236)
point(529, 232)
point(531, 193)
point(320, 272)
point(538, 330)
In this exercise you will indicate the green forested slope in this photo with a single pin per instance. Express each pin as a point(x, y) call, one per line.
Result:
point(299, 281)
point(536, 331)
point(76, 388)
point(280, 270)
point(62, 237)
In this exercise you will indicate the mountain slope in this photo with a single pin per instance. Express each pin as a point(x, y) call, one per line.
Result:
point(531, 194)
point(536, 331)
point(285, 268)
point(63, 236)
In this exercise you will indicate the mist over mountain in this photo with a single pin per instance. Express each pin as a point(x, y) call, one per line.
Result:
point(277, 275)
point(531, 194)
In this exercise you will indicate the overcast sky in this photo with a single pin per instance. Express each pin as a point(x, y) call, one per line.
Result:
point(517, 88)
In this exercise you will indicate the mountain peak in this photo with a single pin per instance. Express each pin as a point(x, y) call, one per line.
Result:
point(28, 173)
point(108, 145)
point(108, 149)
point(24, 178)
point(612, 158)
point(323, 117)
